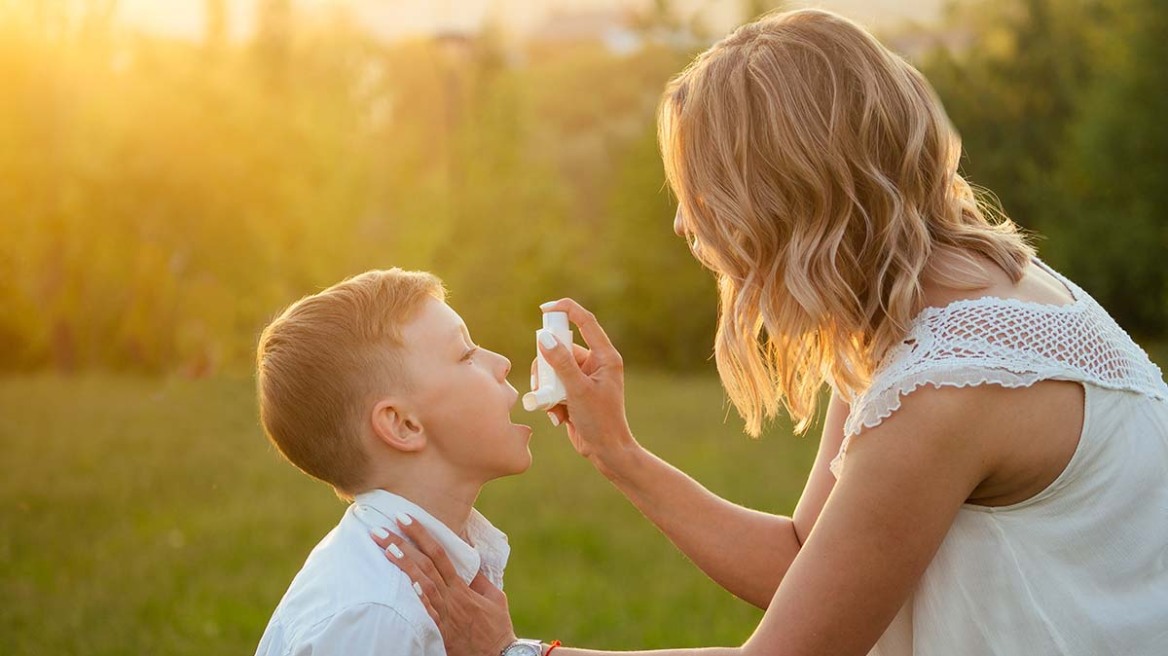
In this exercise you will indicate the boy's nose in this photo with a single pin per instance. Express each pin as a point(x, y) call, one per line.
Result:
point(506, 366)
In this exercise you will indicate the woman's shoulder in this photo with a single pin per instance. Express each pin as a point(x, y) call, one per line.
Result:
point(1009, 342)
point(1040, 285)
point(942, 417)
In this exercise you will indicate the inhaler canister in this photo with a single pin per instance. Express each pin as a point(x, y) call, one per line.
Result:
point(551, 389)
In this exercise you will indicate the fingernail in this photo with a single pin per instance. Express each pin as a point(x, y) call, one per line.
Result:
point(547, 306)
point(547, 339)
point(380, 533)
point(418, 588)
point(395, 550)
point(404, 519)
point(555, 419)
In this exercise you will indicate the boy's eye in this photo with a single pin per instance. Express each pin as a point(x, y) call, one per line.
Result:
point(469, 354)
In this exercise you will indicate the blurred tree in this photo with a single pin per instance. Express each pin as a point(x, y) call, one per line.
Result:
point(1012, 93)
point(216, 30)
point(597, 113)
point(96, 18)
point(659, 15)
point(752, 10)
point(159, 205)
point(273, 39)
point(1111, 229)
point(662, 22)
point(1056, 100)
point(509, 244)
point(659, 304)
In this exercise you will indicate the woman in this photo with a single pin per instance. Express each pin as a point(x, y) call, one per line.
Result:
point(991, 475)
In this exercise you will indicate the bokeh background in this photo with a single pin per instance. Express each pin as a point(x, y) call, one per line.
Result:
point(173, 172)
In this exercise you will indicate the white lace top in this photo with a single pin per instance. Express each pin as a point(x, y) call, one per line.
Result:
point(1081, 568)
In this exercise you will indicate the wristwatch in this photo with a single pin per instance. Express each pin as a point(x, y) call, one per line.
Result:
point(523, 647)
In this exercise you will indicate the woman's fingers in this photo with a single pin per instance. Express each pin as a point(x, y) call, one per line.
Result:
point(430, 609)
point(430, 547)
point(558, 415)
point(595, 410)
point(582, 357)
point(381, 537)
point(424, 577)
point(472, 619)
point(484, 587)
point(590, 328)
point(563, 361)
point(601, 354)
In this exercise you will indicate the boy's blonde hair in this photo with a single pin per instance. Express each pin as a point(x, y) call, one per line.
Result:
point(322, 361)
point(816, 173)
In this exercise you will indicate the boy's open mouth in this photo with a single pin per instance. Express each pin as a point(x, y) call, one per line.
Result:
point(511, 406)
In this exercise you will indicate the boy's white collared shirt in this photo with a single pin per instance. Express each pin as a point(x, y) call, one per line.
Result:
point(349, 599)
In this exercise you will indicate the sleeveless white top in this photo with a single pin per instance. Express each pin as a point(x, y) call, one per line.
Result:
point(1081, 568)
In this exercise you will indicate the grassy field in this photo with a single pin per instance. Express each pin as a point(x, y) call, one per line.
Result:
point(151, 517)
point(146, 516)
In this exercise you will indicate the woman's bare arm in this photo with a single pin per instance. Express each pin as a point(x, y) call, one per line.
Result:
point(902, 486)
point(865, 547)
point(905, 481)
point(745, 551)
point(690, 651)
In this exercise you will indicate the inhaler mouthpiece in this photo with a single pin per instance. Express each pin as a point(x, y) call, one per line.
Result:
point(551, 390)
point(541, 399)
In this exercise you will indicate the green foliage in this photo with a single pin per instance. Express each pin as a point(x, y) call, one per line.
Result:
point(150, 516)
point(1011, 92)
point(754, 9)
point(1061, 105)
point(510, 239)
point(651, 269)
point(1113, 230)
point(167, 198)
point(152, 224)
point(163, 199)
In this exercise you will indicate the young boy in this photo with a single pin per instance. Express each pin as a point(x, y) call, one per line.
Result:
point(375, 387)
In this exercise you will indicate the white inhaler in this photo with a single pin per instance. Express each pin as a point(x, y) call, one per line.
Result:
point(551, 389)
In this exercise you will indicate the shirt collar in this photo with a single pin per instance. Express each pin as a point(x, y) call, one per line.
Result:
point(490, 550)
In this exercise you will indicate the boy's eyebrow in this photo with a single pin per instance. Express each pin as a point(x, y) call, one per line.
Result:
point(461, 331)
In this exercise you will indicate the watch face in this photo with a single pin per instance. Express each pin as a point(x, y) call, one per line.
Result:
point(523, 649)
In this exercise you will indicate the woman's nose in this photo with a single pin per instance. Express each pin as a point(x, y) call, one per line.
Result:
point(678, 226)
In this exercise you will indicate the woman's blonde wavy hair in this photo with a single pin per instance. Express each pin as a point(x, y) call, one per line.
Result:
point(816, 176)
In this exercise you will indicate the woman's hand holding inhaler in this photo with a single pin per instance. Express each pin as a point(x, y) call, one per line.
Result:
point(593, 379)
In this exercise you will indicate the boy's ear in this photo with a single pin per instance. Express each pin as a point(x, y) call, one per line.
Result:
point(394, 426)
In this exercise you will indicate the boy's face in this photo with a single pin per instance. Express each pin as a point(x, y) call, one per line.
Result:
point(462, 396)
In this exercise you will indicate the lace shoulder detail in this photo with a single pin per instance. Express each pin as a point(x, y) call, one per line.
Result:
point(1007, 342)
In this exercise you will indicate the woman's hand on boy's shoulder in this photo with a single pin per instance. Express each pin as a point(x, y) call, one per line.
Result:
point(474, 618)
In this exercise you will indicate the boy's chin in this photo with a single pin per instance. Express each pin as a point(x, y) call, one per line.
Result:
point(518, 465)
point(522, 465)
point(526, 462)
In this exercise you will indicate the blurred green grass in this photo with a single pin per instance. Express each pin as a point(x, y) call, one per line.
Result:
point(149, 516)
